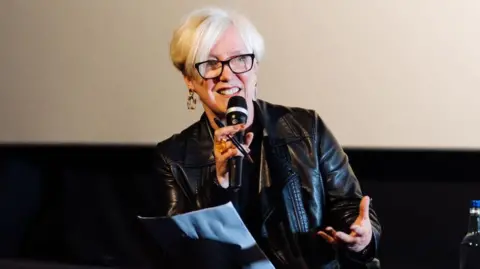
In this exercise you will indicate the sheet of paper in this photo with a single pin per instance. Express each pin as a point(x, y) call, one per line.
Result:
point(221, 223)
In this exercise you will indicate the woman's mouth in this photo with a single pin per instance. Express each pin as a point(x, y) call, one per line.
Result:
point(229, 91)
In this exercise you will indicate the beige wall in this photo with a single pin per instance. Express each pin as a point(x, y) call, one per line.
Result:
point(381, 73)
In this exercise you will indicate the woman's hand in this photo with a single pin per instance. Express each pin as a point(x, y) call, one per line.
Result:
point(361, 230)
point(224, 150)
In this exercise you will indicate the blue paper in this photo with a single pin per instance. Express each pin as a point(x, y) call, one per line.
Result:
point(221, 223)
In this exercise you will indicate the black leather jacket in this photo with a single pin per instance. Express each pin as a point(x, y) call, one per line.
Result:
point(305, 179)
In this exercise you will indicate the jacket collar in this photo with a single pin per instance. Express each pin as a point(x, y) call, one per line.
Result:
point(199, 144)
point(273, 118)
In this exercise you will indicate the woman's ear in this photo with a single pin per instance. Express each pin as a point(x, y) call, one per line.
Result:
point(189, 83)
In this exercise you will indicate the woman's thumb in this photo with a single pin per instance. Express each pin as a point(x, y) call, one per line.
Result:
point(248, 138)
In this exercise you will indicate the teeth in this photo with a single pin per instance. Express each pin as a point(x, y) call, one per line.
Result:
point(229, 91)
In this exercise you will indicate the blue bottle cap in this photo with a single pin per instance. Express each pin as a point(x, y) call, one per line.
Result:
point(475, 203)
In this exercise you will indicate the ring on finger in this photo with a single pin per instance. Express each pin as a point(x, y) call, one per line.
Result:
point(222, 145)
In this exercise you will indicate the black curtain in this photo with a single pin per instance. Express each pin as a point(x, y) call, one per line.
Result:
point(78, 204)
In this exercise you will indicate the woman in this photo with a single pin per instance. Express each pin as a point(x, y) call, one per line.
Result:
point(300, 189)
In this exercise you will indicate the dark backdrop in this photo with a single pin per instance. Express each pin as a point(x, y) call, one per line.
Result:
point(77, 204)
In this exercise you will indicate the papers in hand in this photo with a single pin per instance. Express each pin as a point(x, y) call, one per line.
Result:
point(221, 223)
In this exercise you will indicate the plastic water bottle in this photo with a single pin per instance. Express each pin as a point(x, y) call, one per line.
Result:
point(470, 246)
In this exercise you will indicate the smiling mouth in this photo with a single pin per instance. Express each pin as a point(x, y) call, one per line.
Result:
point(230, 91)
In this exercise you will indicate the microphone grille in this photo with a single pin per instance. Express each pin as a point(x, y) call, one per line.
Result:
point(237, 101)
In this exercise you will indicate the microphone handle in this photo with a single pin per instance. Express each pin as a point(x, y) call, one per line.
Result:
point(236, 166)
point(235, 172)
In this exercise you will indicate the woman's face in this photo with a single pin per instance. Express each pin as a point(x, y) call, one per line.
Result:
point(215, 92)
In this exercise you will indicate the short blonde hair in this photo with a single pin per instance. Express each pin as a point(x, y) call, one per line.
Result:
point(200, 30)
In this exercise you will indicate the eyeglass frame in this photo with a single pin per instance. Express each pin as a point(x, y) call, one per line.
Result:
point(226, 62)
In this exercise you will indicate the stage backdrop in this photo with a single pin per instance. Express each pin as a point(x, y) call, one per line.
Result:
point(383, 74)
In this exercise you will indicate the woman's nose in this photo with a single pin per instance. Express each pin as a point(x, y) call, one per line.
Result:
point(227, 73)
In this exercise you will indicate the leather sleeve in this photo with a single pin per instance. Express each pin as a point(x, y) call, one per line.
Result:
point(177, 194)
point(173, 201)
point(343, 192)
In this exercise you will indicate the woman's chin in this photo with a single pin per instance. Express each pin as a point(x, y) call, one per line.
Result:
point(221, 106)
point(219, 111)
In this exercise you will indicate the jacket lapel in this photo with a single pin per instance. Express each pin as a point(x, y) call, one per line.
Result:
point(199, 146)
point(279, 182)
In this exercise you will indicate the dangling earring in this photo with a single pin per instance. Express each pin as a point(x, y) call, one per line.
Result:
point(255, 93)
point(191, 100)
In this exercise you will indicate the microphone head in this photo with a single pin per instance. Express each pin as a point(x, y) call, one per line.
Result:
point(237, 101)
point(237, 111)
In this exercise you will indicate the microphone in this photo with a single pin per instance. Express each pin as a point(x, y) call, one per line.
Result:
point(237, 113)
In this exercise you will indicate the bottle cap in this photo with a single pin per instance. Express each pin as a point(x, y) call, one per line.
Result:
point(475, 203)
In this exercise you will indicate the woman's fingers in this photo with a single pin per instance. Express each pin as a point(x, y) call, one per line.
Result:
point(248, 139)
point(226, 154)
point(225, 149)
point(223, 145)
point(346, 238)
point(223, 133)
point(327, 237)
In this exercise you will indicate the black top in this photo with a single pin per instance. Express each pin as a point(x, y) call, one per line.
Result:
point(248, 195)
point(246, 199)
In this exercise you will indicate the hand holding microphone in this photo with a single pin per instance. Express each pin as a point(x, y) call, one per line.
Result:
point(230, 141)
point(224, 150)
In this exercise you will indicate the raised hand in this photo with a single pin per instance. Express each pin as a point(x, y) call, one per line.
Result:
point(224, 150)
point(360, 234)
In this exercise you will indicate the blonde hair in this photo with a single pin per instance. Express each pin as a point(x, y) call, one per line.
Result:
point(194, 38)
